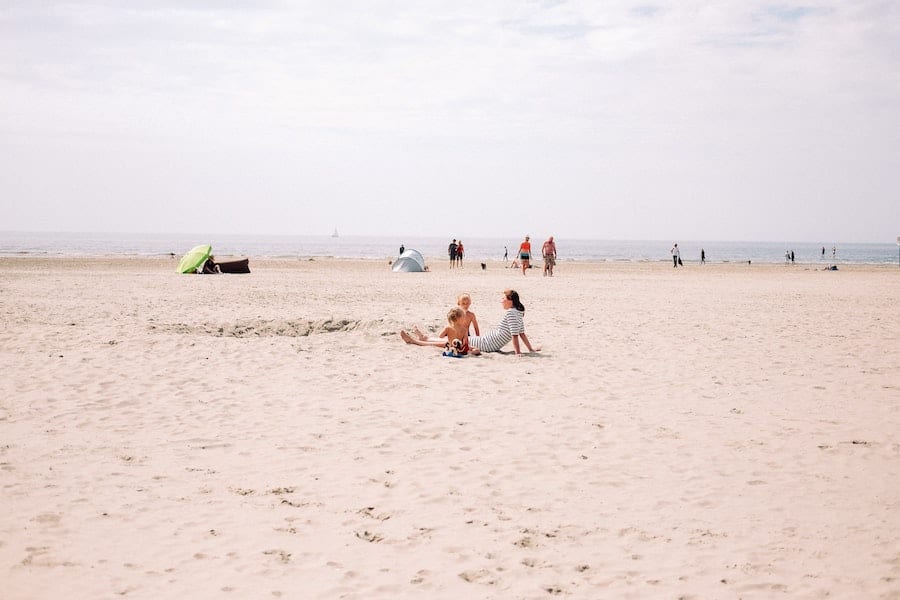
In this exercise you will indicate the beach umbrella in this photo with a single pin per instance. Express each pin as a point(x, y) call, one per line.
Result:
point(193, 259)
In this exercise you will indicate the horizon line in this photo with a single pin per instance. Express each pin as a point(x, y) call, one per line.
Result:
point(420, 236)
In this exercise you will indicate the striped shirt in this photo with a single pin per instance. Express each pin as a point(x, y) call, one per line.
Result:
point(513, 323)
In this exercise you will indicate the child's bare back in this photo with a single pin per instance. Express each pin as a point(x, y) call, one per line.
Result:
point(464, 301)
point(459, 331)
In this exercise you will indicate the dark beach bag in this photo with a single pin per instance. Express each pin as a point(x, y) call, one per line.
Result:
point(235, 266)
point(679, 262)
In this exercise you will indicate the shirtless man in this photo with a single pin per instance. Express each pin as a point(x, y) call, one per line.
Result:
point(549, 252)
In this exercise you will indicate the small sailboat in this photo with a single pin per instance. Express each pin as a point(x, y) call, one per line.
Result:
point(335, 234)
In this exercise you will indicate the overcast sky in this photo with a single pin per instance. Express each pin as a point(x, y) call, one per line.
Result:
point(725, 120)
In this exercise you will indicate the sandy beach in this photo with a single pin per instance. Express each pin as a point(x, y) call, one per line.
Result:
point(725, 431)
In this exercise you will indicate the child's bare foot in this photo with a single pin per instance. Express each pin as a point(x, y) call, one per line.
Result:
point(406, 337)
point(419, 333)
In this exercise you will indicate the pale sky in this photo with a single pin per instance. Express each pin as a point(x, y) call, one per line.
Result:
point(725, 120)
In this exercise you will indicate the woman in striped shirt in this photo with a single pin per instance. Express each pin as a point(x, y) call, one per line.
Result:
point(512, 328)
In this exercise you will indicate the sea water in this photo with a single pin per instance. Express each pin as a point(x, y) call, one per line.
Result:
point(434, 249)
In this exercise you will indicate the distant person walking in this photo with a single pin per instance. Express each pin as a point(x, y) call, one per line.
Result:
point(525, 253)
point(676, 256)
point(823, 252)
point(402, 249)
point(702, 256)
point(548, 250)
point(833, 253)
point(505, 255)
point(459, 253)
point(451, 250)
point(792, 257)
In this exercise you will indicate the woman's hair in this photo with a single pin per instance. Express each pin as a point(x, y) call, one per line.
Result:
point(455, 314)
point(513, 295)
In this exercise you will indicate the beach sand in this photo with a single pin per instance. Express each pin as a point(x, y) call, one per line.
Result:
point(726, 431)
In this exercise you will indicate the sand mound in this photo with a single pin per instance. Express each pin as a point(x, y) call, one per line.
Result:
point(277, 328)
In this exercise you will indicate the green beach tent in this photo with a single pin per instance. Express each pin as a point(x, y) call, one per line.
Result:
point(193, 259)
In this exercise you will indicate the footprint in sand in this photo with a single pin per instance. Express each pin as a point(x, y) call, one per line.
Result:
point(479, 576)
point(553, 590)
point(284, 557)
point(369, 536)
point(369, 512)
point(524, 542)
point(47, 519)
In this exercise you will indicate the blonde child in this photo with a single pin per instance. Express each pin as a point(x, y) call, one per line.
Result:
point(470, 321)
point(464, 301)
point(455, 330)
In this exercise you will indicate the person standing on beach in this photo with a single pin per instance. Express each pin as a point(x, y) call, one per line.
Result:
point(402, 249)
point(792, 257)
point(459, 253)
point(676, 256)
point(525, 253)
point(451, 250)
point(505, 255)
point(702, 256)
point(823, 252)
point(548, 250)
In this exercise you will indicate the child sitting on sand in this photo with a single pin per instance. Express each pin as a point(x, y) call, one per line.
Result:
point(457, 329)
